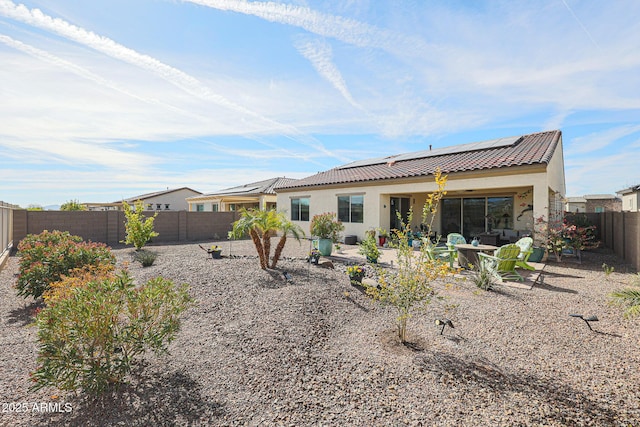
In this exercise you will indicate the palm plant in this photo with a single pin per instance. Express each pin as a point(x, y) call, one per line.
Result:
point(261, 225)
point(629, 298)
point(286, 228)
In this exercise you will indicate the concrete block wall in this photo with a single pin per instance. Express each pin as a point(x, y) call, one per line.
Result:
point(108, 226)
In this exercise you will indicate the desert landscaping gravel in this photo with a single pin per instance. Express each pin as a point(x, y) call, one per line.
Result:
point(257, 349)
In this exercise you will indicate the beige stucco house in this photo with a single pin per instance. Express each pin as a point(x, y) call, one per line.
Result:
point(594, 203)
point(165, 200)
point(630, 198)
point(498, 185)
point(255, 195)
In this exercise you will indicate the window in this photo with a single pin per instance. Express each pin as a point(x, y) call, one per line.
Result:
point(599, 209)
point(158, 206)
point(351, 208)
point(166, 206)
point(232, 207)
point(300, 209)
point(149, 206)
point(214, 207)
point(199, 207)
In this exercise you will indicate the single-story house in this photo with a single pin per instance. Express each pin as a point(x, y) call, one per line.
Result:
point(498, 186)
point(166, 200)
point(630, 198)
point(594, 203)
point(255, 195)
point(575, 204)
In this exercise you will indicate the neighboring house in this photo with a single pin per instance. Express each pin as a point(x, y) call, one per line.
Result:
point(594, 203)
point(501, 184)
point(630, 198)
point(603, 203)
point(259, 194)
point(576, 204)
point(167, 200)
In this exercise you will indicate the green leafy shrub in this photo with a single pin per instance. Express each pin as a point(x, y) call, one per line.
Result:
point(46, 257)
point(146, 258)
point(90, 338)
point(138, 227)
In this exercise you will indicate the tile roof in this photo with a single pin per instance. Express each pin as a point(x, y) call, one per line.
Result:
point(266, 186)
point(535, 148)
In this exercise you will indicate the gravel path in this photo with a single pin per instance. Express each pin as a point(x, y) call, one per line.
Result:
point(259, 350)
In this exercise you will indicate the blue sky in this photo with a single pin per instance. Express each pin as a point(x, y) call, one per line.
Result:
point(104, 100)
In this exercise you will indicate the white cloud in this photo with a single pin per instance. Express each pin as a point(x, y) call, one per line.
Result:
point(598, 140)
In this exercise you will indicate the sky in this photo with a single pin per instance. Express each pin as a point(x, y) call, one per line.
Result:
point(104, 100)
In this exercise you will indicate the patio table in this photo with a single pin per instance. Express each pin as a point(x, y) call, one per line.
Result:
point(468, 253)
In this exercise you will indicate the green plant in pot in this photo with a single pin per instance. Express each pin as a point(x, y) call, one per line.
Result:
point(327, 228)
point(369, 249)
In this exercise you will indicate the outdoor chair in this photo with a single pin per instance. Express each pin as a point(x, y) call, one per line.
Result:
point(453, 239)
point(526, 248)
point(440, 253)
point(502, 265)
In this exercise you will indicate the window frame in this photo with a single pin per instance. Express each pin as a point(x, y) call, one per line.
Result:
point(352, 213)
point(298, 214)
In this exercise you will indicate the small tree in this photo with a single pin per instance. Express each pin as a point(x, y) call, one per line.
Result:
point(73, 205)
point(139, 228)
point(410, 286)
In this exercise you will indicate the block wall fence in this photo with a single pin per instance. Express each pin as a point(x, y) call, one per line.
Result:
point(618, 231)
point(108, 226)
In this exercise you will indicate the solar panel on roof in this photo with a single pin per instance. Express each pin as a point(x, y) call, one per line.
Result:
point(473, 146)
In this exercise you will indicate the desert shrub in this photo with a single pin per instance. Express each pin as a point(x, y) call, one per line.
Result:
point(144, 257)
point(46, 257)
point(90, 338)
point(138, 228)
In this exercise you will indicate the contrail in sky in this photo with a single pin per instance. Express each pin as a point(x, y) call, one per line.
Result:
point(172, 75)
point(580, 23)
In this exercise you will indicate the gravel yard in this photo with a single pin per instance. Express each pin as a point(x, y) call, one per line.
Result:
point(257, 349)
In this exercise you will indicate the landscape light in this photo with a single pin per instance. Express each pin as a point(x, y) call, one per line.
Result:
point(444, 323)
point(586, 319)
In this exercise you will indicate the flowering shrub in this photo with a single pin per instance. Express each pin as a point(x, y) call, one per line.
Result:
point(46, 257)
point(355, 270)
point(566, 235)
point(90, 337)
point(410, 287)
point(76, 278)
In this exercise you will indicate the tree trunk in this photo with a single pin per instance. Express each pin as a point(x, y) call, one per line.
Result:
point(266, 246)
point(279, 248)
point(258, 244)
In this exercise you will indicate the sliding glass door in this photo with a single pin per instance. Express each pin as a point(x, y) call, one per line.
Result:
point(474, 215)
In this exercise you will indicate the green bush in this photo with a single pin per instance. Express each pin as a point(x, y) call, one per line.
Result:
point(46, 257)
point(90, 338)
point(138, 227)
